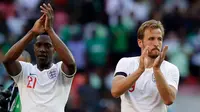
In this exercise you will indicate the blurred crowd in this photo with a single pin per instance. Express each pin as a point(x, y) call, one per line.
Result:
point(99, 33)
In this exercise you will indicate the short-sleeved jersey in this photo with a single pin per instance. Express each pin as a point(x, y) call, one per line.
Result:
point(43, 91)
point(144, 95)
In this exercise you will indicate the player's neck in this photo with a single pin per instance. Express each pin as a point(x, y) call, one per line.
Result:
point(42, 67)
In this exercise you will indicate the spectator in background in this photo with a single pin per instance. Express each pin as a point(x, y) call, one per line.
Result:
point(8, 8)
point(60, 3)
point(120, 42)
point(27, 8)
point(16, 26)
point(179, 53)
point(4, 28)
point(69, 30)
point(61, 19)
point(89, 103)
point(77, 46)
point(97, 51)
point(195, 58)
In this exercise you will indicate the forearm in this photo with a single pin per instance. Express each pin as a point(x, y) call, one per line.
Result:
point(164, 89)
point(18, 48)
point(120, 86)
point(62, 50)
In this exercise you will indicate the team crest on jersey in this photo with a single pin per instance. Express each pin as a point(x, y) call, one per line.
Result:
point(52, 73)
point(153, 78)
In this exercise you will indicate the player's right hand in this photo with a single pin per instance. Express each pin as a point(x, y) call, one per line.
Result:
point(48, 11)
point(38, 27)
point(143, 59)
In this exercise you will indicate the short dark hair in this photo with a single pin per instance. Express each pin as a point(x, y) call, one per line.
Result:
point(43, 34)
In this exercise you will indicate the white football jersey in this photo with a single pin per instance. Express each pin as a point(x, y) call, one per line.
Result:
point(43, 91)
point(144, 95)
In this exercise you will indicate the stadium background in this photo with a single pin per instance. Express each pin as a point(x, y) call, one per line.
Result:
point(99, 33)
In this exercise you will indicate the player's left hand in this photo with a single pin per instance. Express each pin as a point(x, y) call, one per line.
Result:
point(38, 27)
point(48, 11)
point(160, 58)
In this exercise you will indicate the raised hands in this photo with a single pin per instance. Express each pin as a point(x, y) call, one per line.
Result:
point(160, 58)
point(38, 27)
point(143, 59)
point(49, 17)
point(157, 62)
point(45, 22)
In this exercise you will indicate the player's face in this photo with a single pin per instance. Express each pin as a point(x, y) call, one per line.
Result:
point(152, 38)
point(43, 49)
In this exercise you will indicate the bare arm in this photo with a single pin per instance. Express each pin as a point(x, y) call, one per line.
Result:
point(167, 92)
point(122, 84)
point(68, 66)
point(10, 62)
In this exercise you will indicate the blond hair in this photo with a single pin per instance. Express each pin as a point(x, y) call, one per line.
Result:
point(152, 24)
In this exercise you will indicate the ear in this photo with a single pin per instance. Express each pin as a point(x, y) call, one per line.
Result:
point(140, 44)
